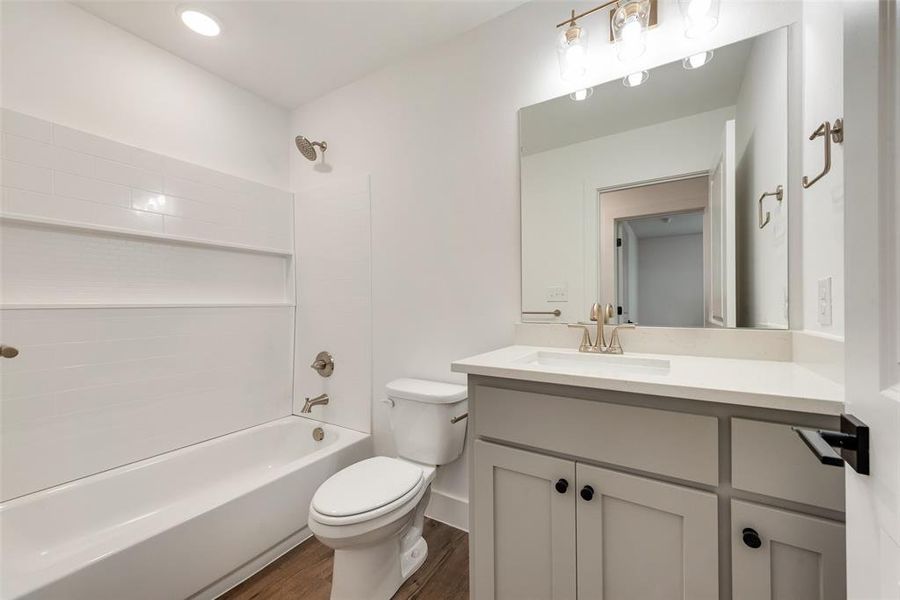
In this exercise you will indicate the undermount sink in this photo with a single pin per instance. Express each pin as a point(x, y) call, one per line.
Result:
point(595, 363)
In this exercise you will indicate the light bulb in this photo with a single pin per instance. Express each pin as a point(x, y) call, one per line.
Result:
point(572, 53)
point(631, 42)
point(636, 79)
point(700, 16)
point(199, 22)
point(695, 61)
point(583, 94)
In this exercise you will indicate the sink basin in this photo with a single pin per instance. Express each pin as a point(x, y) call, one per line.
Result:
point(595, 364)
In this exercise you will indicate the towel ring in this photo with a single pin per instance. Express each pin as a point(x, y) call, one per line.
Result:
point(779, 195)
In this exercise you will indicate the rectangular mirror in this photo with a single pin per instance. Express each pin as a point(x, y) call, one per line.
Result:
point(666, 199)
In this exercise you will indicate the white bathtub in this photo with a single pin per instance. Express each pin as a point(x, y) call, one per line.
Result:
point(189, 523)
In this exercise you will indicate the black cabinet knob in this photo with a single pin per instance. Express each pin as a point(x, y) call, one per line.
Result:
point(561, 486)
point(587, 493)
point(751, 538)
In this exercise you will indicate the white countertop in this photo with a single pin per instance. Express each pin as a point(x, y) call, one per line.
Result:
point(760, 383)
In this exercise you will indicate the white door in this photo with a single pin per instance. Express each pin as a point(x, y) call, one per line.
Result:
point(872, 334)
point(524, 532)
point(640, 539)
point(722, 267)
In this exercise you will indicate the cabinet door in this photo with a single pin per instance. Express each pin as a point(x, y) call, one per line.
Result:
point(798, 557)
point(523, 534)
point(639, 538)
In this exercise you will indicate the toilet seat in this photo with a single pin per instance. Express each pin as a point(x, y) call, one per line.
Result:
point(366, 490)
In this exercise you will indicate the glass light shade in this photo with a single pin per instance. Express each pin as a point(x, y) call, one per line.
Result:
point(629, 24)
point(636, 79)
point(700, 16)
point(579, 95)
point(695, 61)
point(571, 49)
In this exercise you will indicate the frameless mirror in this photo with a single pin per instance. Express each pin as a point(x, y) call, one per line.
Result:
point(666, 199)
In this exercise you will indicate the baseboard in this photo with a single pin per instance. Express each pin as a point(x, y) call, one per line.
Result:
point(253, 566)
point(450, 510)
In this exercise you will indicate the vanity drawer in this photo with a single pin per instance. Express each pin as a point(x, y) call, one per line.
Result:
point(657, 441)
point(771, 459)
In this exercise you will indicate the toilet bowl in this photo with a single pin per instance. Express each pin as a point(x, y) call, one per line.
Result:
point(372, 513)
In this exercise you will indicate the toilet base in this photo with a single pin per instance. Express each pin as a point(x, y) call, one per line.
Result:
point(375, 572)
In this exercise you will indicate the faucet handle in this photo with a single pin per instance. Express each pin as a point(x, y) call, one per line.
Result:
point(585, 337)
point(615, 347)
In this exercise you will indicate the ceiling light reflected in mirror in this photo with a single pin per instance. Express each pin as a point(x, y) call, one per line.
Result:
point(199, 22)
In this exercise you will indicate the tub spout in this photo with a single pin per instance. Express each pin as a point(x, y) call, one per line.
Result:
point(310, 402)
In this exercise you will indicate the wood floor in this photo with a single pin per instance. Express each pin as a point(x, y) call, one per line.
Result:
point(305, 572)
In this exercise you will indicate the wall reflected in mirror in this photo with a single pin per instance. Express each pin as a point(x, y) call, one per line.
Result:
point(651, 198)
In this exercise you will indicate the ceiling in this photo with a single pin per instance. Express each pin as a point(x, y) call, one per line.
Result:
point(667, 225)
point(671, 92)
point(290, 52)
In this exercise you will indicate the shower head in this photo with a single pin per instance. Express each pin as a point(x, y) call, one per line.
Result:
point(308, 148)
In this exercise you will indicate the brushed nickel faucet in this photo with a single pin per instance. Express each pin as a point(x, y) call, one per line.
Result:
point(601, 316)
point(321, 399)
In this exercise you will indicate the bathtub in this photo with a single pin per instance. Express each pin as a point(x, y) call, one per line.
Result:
point(186, 524)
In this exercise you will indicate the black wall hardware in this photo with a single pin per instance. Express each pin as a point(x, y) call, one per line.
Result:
point(587, 493)
point(852, 441)
point(751, 538)
point(561, 486)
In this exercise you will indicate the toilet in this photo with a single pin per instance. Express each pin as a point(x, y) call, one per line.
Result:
point(372, 512)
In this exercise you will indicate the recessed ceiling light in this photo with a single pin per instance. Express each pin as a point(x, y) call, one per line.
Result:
point(199, 22)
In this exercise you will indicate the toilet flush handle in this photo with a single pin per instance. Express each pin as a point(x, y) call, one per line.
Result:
point(455, 420)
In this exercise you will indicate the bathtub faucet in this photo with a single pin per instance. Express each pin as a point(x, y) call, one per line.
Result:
point(310, 402)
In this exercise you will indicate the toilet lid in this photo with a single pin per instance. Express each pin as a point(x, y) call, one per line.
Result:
point(366, 486)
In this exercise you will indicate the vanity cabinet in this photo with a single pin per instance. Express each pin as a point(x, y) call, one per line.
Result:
point(595, 494)
point(635, 537)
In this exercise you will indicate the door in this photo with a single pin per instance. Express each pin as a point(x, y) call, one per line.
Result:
point(782, 555)
point(872, 266)
point(524, 530)
point(722, 265)
point(639, 538)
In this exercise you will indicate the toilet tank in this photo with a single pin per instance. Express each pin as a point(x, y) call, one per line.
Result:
point(421, 413)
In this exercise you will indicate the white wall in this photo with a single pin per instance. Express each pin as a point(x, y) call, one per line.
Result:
point(823, 204)
point(560, 217)
point(761, 134)
point(438, 134)
point(670, 281)
point(62, 64)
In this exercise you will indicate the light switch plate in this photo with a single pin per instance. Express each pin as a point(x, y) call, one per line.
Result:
point(823, 316)
point(558, 293)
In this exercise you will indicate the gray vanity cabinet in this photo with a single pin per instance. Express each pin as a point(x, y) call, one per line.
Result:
point(636, 537)
point(526, 527)
point(605, 495)
point(783, 555)
point(640, 538)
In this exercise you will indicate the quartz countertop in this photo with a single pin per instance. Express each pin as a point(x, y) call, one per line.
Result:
point(776, 385)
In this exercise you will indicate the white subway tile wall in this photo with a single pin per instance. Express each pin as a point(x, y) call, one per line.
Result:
point(95, 389)
point(183, 282)
point(334, 279)
point(66, 164)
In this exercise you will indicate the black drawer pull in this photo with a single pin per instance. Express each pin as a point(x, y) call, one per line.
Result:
point(561, 486)
point(587, 493)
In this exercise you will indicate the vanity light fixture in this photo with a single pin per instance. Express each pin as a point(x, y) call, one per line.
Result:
point(199, 22)
point(584, 94)
point(636, 79)
point(695, 61)
point(629, 21)
point(700, 16)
